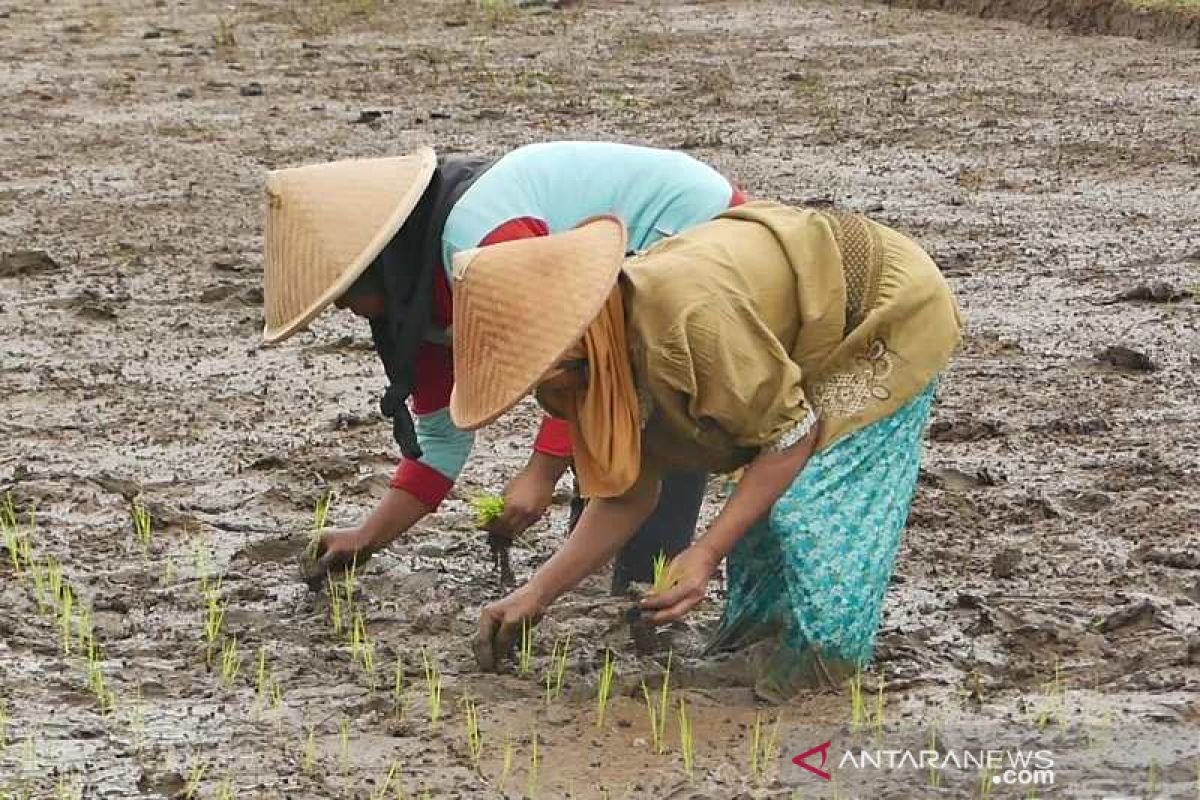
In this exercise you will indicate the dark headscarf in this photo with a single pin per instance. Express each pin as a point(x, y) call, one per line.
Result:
point(405, 271)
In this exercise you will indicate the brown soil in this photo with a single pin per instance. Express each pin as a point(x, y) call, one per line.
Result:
point(1164, 21)
point(1056, 522)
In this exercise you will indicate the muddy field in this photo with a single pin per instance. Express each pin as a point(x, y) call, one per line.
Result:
point(1050, 578)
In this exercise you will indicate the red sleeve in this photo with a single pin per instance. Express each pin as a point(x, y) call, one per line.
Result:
point(554, 437)
point(738, 197)
point(519, 228)
point(421, 481)
point(433, 375)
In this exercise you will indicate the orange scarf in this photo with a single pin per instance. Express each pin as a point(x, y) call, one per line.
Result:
point(605, 420)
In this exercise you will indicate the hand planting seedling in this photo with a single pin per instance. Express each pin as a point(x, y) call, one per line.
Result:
point(488, 508)
point(604, 692)
point(659, 567)
point(320, 520)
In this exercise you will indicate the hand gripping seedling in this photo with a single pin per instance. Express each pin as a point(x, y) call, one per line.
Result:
point(488, 508)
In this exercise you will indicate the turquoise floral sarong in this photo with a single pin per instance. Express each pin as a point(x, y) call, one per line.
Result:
point(813, 572)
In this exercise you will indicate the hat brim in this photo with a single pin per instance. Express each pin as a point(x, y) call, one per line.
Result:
point(520, 306)
point(405, 200)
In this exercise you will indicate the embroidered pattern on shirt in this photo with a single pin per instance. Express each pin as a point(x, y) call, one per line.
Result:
point(845, 394)
point(862, 261)
point(794, 435)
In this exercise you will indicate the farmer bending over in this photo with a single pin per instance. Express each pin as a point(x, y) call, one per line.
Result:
point(802, 345)
point(373, 235)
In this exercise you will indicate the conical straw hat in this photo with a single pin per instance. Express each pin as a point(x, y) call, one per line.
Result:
point(519, 306)
point(325, 224)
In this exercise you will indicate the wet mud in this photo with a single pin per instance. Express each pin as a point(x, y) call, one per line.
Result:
point(1051, 556)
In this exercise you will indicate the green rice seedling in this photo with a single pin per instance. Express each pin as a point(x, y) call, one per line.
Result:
point(12, 532)
point(657, 711)
point(214, 616)
point(525, 657)
point(335, 605)
point(37, 572)
point(1153, 778)
point(664, 703)
point(985, 782)
point(687, 743)
point(652, 715)
point(358, 630)
point(433, 687)
point(308, 761)
point(226, 791)
point(474, 737)
point(349, 585)
point(506, 763)
point(66, 613)
point(196, 771)
point(320, 520)
point(344, 745)
point(557, 668)
point(67, 791)
point(488, 508)
point(231, 662)
point(85, 628)
point(604, 691)
point(168, 573)
point(880, 708)
point(3, 725)
point(935, 777)
point(764, 749)
point(368, 662)
point(142, 525)
point(262, 680)
point(858, 705)
point(531, 784)
point(381, 791)
point(399, 689)
point(137, 721)
point(659, 566)
point(54, 582)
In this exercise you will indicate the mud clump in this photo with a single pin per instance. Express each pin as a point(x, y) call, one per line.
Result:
point(26, 262)
point(1126, 358)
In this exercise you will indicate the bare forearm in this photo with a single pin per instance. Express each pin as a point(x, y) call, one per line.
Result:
point(548, 467)
point(606, 525)
point(765, 479)
point(396, 513)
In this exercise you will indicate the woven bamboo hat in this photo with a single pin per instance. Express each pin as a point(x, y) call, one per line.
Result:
point(325, 224)
point(519, 306)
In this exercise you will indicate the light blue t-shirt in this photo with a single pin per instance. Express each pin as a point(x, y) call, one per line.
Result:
point(656, 193)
